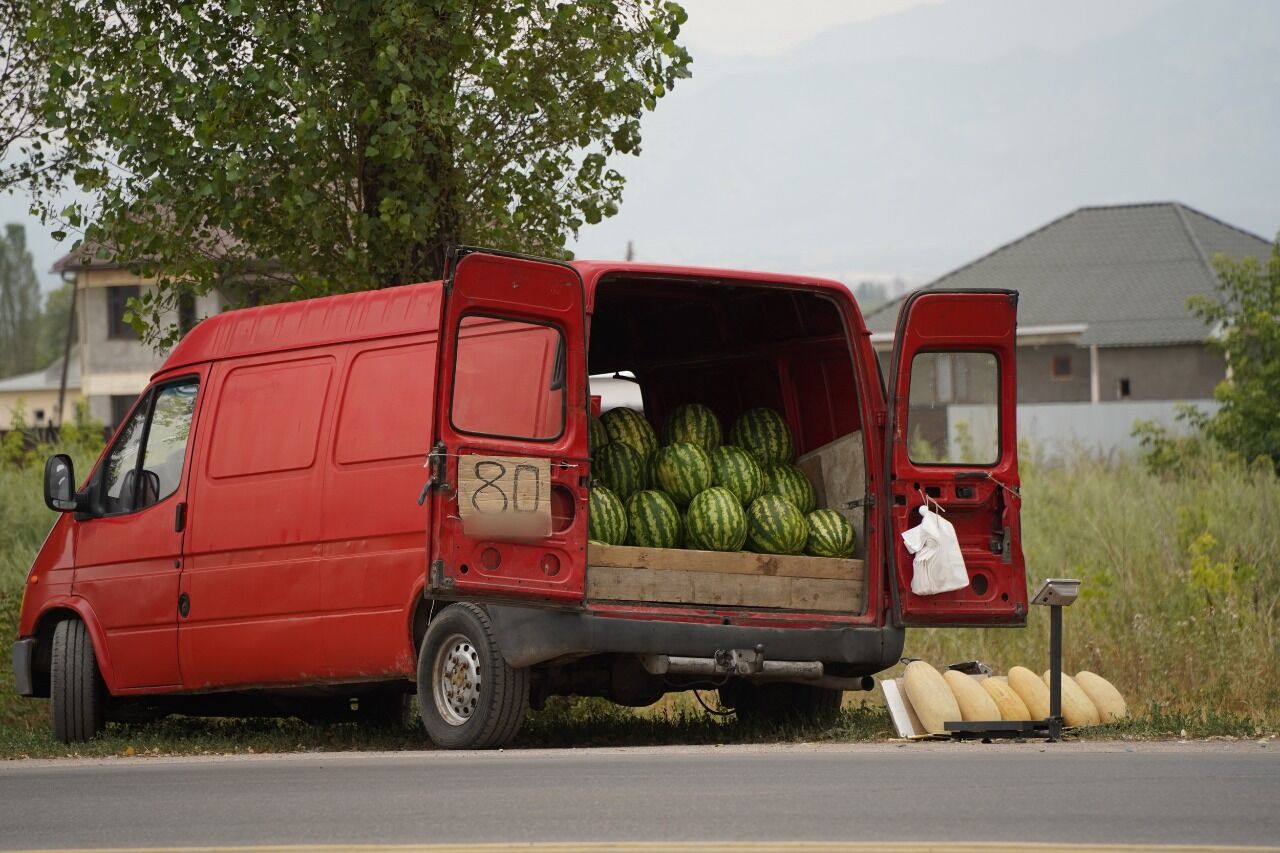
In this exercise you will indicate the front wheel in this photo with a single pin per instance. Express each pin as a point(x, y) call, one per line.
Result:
point(76, 692)
point(469, 697)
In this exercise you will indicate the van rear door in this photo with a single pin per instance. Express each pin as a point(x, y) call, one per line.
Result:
point(953, 444)
point(509, 469)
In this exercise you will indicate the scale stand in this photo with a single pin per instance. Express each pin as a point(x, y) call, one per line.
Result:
point(1055, 593)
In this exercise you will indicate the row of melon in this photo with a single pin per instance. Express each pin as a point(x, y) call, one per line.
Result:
point(1087, 699)
point(695, 491)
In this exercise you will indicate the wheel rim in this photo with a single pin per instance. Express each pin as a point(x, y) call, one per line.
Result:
point(456, 680)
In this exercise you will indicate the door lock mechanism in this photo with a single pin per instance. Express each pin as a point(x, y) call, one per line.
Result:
point(184, 605)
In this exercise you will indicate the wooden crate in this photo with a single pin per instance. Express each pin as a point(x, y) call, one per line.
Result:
point(735, 579)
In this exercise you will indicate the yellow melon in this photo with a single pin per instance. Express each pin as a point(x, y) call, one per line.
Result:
point(1105, 697)
point(932, 699)
point(1031, 691)
point(1010, 704)
point(1077, 708)
point(975, 703)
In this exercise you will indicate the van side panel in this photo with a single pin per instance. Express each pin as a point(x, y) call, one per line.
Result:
point(375, 530)
point(255, 524)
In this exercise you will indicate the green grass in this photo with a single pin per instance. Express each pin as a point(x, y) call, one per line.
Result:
point(1179, 608)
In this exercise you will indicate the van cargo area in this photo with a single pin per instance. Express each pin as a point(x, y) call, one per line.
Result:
point(735, 347)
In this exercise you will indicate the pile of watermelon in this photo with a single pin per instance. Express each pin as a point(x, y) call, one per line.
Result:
point(691, 489)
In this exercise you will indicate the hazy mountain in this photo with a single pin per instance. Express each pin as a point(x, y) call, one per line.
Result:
point(913, 143)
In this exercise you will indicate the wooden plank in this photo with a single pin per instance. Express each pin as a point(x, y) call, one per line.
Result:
point(612, 583)
point(504, 495)
point(723, 562)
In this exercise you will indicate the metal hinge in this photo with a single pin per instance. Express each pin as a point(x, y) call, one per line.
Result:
point(436, 581)
point(436, 467)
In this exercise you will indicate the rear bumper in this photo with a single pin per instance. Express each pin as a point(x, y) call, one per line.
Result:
point(529, 636)
point(24, 652)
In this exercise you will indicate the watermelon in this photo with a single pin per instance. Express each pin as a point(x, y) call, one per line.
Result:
point(764, 434)
point(788, 481)
point(606, 517)
point(619, 468)
point(737, 470)
point(715, 521)
point(651, 473)
point(694, 423)
point(597, 435)
point(627, 426)
point(775, 526)
point(683, 470)
point(830, 534)
point(652, 520)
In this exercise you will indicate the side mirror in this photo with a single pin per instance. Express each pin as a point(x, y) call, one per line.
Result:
point(60, 484)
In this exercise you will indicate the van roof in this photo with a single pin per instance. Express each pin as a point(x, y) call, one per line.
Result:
point(397, 311)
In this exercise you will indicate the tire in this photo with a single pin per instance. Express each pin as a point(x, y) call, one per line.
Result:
point(76, 692)
point(779, 702)
point(468, 695)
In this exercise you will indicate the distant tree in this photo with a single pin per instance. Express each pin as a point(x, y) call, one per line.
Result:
point(1245, 320)
point(53, 323)
point(19, 305)
point(316, 146)
point(870, 295)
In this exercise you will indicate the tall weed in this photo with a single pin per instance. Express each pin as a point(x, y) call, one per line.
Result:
point(1180, 581)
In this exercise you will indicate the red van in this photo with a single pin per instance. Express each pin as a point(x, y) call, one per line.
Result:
point(283, 522)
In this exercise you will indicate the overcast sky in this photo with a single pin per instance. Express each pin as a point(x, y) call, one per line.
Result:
point(882, 138)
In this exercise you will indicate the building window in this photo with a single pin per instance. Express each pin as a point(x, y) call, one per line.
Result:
point(1061, 367)
point(117, 303)
point(1122, 388)
point(186, 312)
point(120, 405)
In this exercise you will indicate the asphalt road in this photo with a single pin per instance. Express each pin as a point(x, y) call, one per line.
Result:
point(1073, 792)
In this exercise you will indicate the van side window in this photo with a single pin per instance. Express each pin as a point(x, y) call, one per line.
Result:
point(506, 382)
point(953, 415)
point(167, 439)
point(120, 470)
point(145, 465)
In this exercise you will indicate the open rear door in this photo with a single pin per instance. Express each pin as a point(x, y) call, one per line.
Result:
point(953, 443)
point(509, 485)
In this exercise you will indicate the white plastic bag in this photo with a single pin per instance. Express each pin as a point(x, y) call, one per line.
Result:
point(939, 565)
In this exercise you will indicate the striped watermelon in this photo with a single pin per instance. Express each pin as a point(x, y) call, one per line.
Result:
point(627, 426)
point(764, 434)
point(598, 436)
point(619, 468)
point(653, 520)
point(775, 526)
point(651, 473)
point(737, 470)
point(788, 481)
point(694, 423)
point(606, 517)
point(830, 534)
point(683, 471)
point(715, 521)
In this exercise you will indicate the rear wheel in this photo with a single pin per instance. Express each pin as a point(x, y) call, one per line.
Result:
point(773, 703)
point(76, 692)
point(469, 697)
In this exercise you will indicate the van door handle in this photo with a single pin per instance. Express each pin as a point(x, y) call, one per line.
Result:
point(184, 605)
point(180, 517)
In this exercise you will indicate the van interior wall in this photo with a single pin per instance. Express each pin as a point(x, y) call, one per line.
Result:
point(732, 348)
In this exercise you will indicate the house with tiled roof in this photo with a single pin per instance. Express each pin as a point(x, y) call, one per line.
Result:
point(112, 364)
point(1102, 312)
